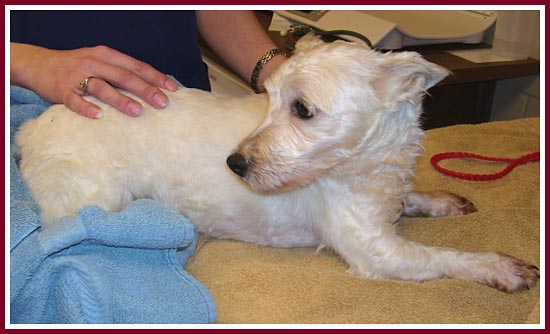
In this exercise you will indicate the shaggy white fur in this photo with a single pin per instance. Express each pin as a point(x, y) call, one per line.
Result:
point(326, 157)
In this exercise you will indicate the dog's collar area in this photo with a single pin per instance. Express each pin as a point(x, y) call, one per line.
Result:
point(297, 31)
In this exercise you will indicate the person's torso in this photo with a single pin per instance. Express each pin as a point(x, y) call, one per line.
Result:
point(166, 40)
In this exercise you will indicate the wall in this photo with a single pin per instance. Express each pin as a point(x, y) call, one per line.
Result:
point(519, 98)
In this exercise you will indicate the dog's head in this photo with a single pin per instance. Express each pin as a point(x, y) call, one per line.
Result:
point(335, 107)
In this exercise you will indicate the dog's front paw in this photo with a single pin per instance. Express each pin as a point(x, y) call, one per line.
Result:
point(436, 204)
point(511, 274)
point(458, 205)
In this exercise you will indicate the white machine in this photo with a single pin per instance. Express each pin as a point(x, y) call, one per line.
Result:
point(394, 29)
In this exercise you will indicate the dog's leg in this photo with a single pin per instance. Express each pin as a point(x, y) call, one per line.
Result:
point(62, 187)
point(436, 204)
point(376, 251)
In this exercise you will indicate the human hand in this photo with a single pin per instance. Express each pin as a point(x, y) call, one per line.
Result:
point(56, 76)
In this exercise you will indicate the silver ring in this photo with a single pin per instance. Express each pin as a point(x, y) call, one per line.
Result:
point(84, 84)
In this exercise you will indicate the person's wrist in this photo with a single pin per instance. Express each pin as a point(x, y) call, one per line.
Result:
point(265, 66)
point(22, 65)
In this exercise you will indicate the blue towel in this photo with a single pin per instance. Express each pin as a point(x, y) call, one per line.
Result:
point(98, 266)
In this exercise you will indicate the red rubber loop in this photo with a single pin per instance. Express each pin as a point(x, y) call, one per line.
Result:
point(512, 163)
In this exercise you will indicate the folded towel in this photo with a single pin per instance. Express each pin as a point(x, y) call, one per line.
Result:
point(98, 267)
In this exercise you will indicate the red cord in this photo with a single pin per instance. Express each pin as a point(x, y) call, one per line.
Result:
point(512, 163)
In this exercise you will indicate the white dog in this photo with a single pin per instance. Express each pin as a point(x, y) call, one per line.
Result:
point(330, 164)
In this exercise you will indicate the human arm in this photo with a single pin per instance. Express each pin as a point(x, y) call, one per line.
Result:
point(239, 40)
point(55, 75)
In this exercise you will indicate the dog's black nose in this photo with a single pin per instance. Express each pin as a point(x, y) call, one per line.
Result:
point(237, 163)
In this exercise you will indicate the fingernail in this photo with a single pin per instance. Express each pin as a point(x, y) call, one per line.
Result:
point(94, 112)
point(160, 100)
point(134, 109)
point(171, 85)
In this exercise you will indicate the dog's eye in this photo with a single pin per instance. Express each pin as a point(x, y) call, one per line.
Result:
point(301, 110)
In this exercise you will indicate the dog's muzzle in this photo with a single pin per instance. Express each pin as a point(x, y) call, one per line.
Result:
point(238, 164)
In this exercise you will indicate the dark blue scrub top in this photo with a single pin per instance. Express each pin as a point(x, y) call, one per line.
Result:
point(166, 40)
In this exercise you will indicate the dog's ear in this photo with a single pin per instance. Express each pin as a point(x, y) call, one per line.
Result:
point(406, 75)
point(308, 41)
